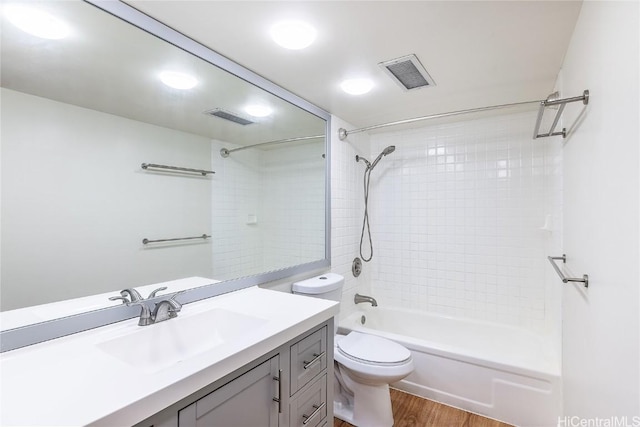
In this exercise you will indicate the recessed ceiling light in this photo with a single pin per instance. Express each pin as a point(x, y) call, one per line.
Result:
point(178, 80)
point(356, 86)
point(36, 22)
point(293, 35)
point(257, 110)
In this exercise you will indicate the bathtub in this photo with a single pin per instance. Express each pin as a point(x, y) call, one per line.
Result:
point(506, 373)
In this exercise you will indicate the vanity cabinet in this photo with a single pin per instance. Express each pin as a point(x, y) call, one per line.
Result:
point(308, 381)
point(287, 387)
point(246, 401)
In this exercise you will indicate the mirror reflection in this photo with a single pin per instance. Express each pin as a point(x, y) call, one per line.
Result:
point(84, 109)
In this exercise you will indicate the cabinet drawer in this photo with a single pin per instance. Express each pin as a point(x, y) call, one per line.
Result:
point(308, 359)
point(309, 409)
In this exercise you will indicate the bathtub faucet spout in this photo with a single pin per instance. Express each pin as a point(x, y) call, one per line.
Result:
point(363, 298)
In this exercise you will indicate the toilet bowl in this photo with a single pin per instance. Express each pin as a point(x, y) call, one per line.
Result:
point(364, 364)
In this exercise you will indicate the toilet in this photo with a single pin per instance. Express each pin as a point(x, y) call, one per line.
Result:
point(365, 364)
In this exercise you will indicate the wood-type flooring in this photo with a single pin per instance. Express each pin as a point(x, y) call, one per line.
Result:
point(414, 411)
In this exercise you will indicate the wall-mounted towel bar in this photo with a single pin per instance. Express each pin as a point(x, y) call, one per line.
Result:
point(146, 241)
point(552, 100)
point(552, 260)
point(175, 168)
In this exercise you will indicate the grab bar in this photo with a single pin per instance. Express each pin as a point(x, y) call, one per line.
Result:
point(146, 241)
point(175, 168)
point(552, 260)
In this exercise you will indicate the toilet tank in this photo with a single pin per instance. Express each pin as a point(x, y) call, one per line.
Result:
point(327, 286)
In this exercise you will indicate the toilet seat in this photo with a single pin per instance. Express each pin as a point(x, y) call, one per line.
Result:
point(372, 360)
point(372, 350)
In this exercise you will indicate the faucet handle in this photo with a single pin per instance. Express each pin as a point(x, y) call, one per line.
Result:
point(175, 305)
point(125, 300)
point(132, 294)
point(153, 294)
point(177, 293)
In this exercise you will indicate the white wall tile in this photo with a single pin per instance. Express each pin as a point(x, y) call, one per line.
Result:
point(456, 213)
point(346, 211)
point(283, 189)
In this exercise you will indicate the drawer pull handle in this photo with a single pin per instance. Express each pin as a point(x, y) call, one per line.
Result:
point(317, 408)
point(279, 398)
point(316, 358)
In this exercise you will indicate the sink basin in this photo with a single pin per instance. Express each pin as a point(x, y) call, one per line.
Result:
point(159, 346)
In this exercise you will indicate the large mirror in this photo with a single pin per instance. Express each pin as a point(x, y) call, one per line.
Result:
point(83, 111)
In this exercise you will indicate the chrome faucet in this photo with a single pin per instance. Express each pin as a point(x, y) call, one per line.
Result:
point(130, 295)
point(363, 298)
point(164, 310)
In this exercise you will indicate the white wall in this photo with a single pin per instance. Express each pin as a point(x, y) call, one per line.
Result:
point(456, 213)
point(601, 192)
point(76, 203)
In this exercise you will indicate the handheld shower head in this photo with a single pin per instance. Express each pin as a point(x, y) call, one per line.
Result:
point(390, 149)
point(367, 178)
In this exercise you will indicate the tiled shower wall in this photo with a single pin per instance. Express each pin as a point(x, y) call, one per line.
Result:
point(236, 195)
point(293, 190)
point(268, 208)
point(457, 214)
point(346, 217)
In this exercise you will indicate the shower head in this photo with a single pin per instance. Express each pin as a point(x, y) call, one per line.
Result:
point(390, 149)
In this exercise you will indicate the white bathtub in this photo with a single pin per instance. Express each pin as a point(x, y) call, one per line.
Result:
point(501, 372)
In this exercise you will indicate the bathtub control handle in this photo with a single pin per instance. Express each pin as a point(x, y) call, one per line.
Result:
point(316, 358)
point(317, 408)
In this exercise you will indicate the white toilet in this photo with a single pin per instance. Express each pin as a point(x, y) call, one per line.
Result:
point(365, 364)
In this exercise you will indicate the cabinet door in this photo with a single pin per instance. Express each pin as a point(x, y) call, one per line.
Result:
point(246, 401)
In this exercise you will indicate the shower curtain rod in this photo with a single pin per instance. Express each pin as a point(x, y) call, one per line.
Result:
point(224, 152)
point(343, 133)
point(550, 101)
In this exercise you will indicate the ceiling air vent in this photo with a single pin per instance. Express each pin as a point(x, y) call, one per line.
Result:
point(228, 115)
point(408, 72)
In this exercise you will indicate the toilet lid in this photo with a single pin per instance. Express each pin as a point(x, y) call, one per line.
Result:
point(373, 349)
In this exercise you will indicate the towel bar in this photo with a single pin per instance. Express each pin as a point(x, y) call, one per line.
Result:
point(552, 260)
point(203, 172)
point(146, 241)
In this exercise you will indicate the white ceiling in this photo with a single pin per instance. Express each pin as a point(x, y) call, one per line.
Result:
point(109, 65)
point(479, 53)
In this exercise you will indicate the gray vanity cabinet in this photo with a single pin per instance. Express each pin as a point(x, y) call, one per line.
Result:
point(308, 380)
point(246, 401)
point(290, 386)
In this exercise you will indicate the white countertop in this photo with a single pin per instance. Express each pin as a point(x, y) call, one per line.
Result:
point(71, 382)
